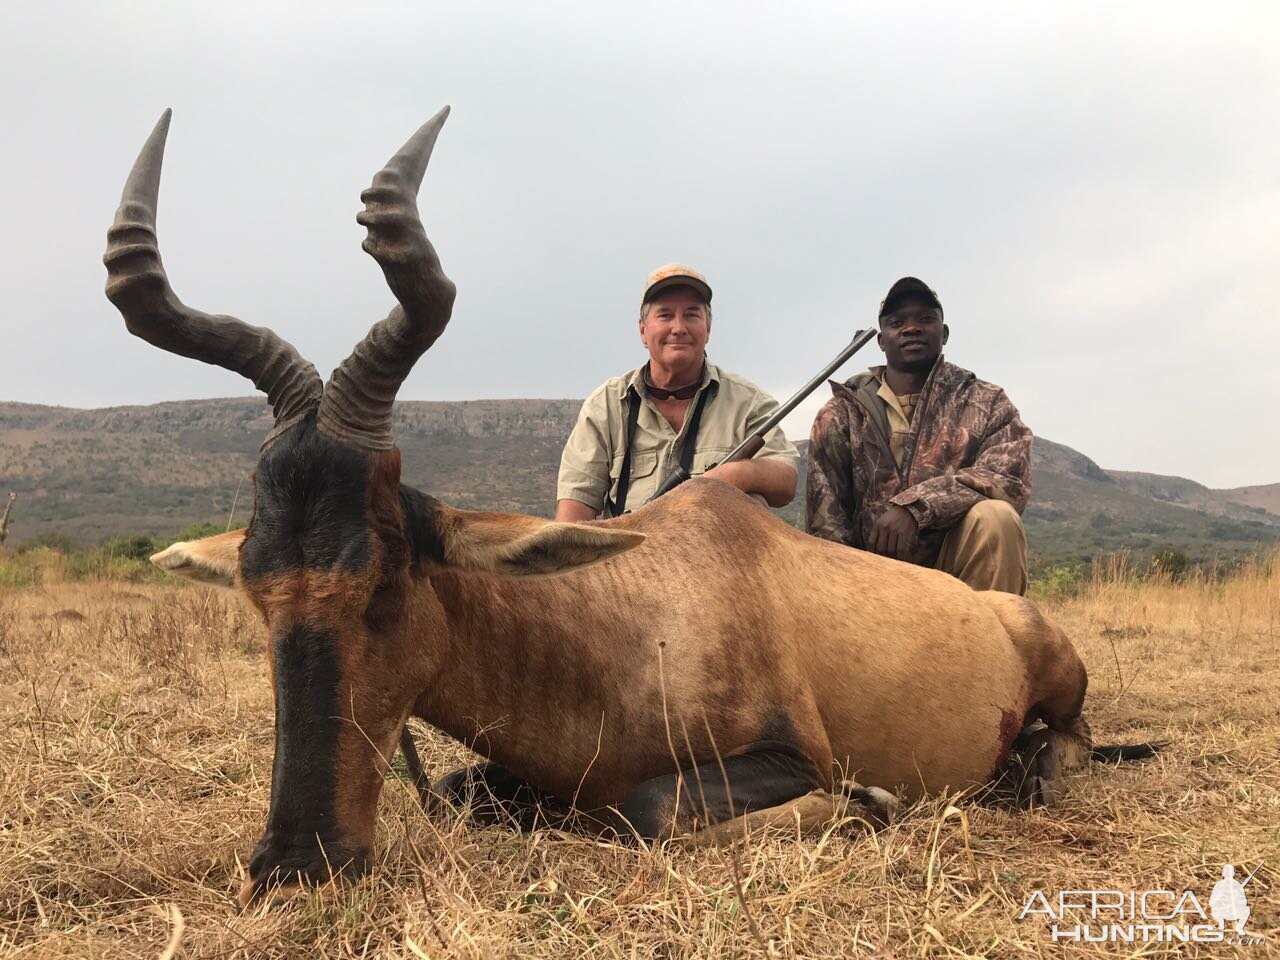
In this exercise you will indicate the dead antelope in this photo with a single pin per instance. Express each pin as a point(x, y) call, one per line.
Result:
point(591, 661)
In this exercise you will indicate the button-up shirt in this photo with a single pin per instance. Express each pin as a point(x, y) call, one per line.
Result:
point(899, 410)
point(592, 460)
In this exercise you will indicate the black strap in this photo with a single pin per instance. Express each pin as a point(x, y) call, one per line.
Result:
point(691, 438)
point(617, 507)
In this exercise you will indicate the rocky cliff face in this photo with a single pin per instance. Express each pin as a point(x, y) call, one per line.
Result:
point(536, 419)
point(252, 417)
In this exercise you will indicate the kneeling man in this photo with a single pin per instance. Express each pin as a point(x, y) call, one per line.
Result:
point(919, 459)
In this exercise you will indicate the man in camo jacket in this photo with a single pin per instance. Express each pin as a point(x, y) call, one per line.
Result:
point(919, 459)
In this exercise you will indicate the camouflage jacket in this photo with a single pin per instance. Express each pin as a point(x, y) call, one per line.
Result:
point(966, 444)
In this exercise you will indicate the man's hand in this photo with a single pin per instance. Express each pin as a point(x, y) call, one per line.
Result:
point(731, 473)
point(894, 533)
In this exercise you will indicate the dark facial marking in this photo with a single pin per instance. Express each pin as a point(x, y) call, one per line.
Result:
point(302, 829)
point(309, 506)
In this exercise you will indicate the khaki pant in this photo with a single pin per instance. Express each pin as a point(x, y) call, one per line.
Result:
point(987, 549)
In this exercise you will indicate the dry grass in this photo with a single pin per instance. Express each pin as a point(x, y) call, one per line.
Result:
point(137, 753)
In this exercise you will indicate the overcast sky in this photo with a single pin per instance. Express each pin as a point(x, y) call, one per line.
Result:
point(1092, 188)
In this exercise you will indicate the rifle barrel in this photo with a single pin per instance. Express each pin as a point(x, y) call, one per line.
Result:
point(749, 447)
point(745, 451)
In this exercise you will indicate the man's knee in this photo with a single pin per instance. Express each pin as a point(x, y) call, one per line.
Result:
point(987, 549)
point(992, 518)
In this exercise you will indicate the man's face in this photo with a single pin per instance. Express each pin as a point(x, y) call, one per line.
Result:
point(912, 336)
point(675, 327)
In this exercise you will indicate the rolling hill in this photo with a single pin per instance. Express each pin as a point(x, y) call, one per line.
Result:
point(89, 474)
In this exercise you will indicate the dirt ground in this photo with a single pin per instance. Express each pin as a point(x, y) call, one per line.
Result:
point(136, 735)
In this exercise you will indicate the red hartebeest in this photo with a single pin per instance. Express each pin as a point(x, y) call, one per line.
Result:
point(697, 632)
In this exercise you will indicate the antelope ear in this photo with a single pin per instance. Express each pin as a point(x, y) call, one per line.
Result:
point(525, 546)
point(213, 560)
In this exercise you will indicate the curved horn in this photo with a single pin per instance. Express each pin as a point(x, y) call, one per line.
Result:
point(358, 398)
point(138, 286)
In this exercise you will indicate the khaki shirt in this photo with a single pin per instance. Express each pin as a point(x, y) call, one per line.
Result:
point(592, 458)
point(899, 415)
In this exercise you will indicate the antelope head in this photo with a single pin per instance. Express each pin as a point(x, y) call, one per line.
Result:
point(339, 558)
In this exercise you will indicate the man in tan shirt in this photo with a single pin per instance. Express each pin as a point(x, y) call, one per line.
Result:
point(677, 408)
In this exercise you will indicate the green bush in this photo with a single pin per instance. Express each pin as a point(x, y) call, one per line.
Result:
point(129, 546)
point(1057, 582)
point(54, 557)
point(1171, 562)
point(59, 542)
point(19, 570)
point(100, 565)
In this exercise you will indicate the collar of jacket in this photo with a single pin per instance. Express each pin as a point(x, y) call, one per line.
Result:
point(861, 388)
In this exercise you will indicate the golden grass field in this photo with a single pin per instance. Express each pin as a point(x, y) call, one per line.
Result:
point(136, 735)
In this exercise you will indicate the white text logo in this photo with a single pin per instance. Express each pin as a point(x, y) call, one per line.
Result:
point(1147, 916)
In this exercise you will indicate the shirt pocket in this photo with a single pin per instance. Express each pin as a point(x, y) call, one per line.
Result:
point(642, 465)
point(708, 457)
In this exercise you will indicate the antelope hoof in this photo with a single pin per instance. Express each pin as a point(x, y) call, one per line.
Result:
point(878, 807)
point(279, 870)
point(280, 894)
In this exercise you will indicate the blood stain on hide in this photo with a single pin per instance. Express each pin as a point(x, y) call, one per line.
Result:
point(1010, 727)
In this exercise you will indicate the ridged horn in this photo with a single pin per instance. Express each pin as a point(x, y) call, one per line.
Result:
point(356, 408)
point(139, 288)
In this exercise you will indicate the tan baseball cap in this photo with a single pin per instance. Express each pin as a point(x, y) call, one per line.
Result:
point(675, 275)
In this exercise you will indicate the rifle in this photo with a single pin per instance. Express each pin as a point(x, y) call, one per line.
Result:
point(749, 447)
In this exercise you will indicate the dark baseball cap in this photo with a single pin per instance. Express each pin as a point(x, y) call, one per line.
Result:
point(908, 288)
